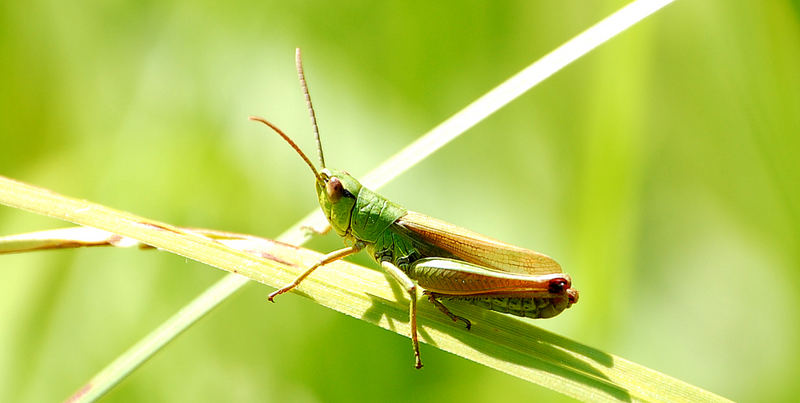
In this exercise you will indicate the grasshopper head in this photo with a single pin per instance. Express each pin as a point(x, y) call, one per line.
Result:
point(337, 192)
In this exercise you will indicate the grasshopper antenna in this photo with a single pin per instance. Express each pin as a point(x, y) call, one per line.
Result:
point(298, 60)
point(291, 143)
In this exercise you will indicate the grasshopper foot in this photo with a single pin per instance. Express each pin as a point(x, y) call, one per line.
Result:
point(272, 296)
point(466, 321)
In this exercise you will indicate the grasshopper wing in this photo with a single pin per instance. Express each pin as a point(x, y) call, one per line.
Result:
point(475, 248)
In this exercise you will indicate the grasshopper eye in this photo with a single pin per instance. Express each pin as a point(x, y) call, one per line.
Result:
point(335, 189)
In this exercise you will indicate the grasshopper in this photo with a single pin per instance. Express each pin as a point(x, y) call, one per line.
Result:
point(448, 262)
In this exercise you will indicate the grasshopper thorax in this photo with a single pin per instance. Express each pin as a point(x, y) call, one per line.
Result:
point(337, 192)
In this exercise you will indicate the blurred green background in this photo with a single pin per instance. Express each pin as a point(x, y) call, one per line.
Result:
point(660, 171)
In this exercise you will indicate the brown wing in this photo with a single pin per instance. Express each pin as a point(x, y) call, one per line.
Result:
point(476, 248)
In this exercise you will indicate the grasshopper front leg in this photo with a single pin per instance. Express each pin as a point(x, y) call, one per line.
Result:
point(411, 289)
point(330, 257)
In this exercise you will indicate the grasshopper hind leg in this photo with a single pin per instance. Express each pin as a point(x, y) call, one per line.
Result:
point(432, 297)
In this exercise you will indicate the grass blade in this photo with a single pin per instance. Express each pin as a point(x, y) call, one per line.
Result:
point(499, 341)
point(510, 89)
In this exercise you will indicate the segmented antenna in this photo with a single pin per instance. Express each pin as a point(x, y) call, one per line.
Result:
point(298, 60)
point(291, 143)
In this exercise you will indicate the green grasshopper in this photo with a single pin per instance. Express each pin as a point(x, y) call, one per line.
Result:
point(448, 262)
